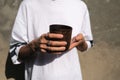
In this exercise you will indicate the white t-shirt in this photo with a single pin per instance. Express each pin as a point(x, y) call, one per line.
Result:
point(33, 19)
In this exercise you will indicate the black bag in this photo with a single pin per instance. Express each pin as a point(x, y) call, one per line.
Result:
point(14, 71)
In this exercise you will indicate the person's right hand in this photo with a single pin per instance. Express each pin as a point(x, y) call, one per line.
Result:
point(45, 43)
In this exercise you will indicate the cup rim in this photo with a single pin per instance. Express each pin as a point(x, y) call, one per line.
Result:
point(61, 25)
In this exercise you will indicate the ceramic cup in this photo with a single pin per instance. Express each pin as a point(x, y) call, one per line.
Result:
point(62, 29)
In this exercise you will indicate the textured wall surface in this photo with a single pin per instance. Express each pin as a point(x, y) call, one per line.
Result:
point(102, 62)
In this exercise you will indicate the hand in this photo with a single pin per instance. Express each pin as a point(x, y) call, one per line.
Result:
point(45, 44)
point(79, 42)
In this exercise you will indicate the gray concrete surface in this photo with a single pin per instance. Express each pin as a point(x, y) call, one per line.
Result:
point(101, 62)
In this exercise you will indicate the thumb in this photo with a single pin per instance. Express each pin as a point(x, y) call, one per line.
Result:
point(79, 37)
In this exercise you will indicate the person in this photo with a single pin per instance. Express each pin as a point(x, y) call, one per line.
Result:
point(30, 39)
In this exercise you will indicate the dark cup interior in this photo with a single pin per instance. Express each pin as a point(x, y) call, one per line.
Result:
point(62, 29)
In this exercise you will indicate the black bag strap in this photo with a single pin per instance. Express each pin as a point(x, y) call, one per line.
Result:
point(14, 71)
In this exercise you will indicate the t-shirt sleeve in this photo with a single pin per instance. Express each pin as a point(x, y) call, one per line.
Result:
point(19, 33)
point(86, 29)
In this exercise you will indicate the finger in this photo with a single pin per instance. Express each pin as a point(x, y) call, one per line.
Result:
point(43, 50)
point(56, 48)
point(43, 46)
point(43, 40)
point(57, 43)
point(73, 45)
point(53, 35)
point(79, 37)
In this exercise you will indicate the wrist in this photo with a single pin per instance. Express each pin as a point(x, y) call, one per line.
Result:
point(27, 51)
point(33, 45)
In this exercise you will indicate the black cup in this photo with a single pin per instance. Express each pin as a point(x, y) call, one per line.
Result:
point(62, 29)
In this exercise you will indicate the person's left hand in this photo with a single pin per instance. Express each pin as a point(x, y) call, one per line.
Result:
point(79, 42)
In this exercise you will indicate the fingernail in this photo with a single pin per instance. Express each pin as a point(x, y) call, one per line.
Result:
point(66, 43)
point(64, 48)
point(61, 35)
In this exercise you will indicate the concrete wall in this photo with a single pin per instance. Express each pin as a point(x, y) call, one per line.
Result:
point(102, 62)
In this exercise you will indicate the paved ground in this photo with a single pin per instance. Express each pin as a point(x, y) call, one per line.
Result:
point(102, 62)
